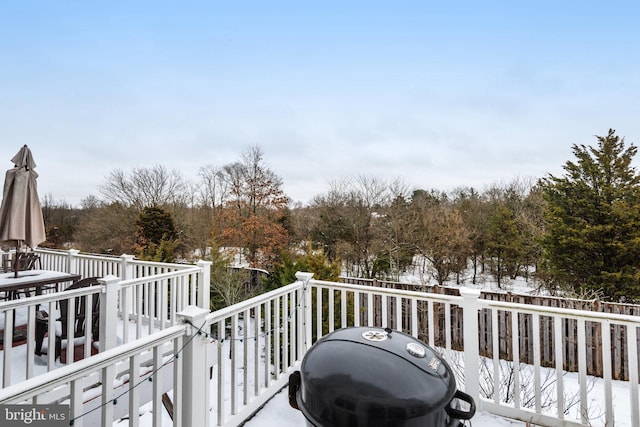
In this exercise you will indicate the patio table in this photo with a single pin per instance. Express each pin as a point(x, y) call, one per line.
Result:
point(32, 279)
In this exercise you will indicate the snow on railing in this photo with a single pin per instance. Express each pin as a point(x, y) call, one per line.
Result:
point(247, 350)
point(114, 383)
point(151, 303)
point(257, 344)
point(124, 266)
point(574, 399)
point(129, 310)
point(237, 358)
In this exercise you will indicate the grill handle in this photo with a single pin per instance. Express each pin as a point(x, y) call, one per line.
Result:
point(457, 413)
point(294, 384)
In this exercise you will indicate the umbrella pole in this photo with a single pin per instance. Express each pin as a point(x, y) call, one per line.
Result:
point(16, 264)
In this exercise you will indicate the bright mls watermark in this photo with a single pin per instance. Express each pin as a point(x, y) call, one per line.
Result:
point(34, 415)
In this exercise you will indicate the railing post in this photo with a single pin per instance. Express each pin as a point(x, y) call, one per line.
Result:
point(195, 372)
point(204, 283)
point(471, 342)
point(126, 272)
point(71, 266)
point(126, 269)
point(108, 312)
point(305, 337)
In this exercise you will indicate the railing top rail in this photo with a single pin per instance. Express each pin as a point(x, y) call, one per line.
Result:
point(389, 291)
point(44, 299)
point(490, 293)
point(55, 296)
point(225, 312)
point(113, 258)
point(160, 264)
point(78, 254)
point(572, 313)
point(110, 258)
point(33, 386)
point(161, 276)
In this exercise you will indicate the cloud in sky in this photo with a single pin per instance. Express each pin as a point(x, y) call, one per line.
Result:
point(439, 95)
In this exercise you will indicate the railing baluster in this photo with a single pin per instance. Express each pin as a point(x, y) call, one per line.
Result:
point(343, 309)
point(285, 331)
point(88, 336)
point(331, 310)
point(139, 307)
point(582, 370)
point(632, 351)
point(495, 340)
point(245, 353)
point(414, 317)
point(356, 309)
point(277, 348)
point(234, 369)
point(557, 342)
point(398, 324)
point(385, 311)
point(221, 372)
point(447, 329)
point(156, 394)
point(370, 309)
point(319, 312)
point(75, 404)
point(256, 349)
point(134, 394)
point(606, 371)
point(269, 335)
point(536, 362)
point(7, 349)
point(432, 318)
point(515, 351)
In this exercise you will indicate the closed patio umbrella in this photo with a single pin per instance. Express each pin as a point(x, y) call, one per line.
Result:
point(21, 220)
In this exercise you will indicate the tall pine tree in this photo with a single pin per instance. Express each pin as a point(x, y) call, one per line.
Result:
point(592, 213)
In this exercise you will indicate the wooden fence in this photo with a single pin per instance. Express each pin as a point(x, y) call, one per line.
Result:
point(594, 351)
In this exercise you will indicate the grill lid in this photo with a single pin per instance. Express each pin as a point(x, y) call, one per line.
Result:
point(372, 373)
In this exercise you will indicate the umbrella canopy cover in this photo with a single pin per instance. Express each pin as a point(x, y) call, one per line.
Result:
point(21, 220)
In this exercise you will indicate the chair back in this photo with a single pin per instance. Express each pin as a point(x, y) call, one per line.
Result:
point(29, 261)
point(79, 310)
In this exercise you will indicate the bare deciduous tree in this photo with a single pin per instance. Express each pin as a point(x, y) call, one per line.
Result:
point(214, 189)
point(155, 186)
point(444, 240)
point(252, 218)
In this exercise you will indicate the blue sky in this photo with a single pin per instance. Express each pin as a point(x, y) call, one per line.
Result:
point(436, 94)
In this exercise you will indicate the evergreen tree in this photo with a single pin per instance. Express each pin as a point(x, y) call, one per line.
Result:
point(592, 213)
point(284, 273)
point(156, 235)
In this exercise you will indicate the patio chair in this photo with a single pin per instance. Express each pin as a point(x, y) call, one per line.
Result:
point(26, 261)
point(80, 320)
point(29, 261)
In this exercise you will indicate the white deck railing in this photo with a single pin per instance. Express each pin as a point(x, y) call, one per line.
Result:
point(576, 398)
point(233, 360)
point(130, 309)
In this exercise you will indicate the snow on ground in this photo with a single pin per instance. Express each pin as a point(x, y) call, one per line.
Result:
point(277, 412)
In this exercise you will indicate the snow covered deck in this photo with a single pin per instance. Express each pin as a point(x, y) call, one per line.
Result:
point(221, 367)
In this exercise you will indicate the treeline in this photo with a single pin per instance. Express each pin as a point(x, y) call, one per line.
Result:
point(578, 233)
